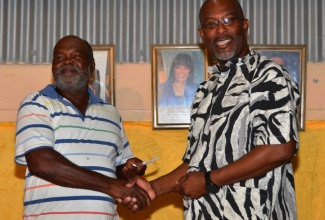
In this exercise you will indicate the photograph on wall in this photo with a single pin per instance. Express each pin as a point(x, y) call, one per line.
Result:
point(102, 79)
point(177, 71)
point(293, 59)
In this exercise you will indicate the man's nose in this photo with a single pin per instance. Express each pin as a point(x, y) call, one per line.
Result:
point(221, 28)
point(68, 61)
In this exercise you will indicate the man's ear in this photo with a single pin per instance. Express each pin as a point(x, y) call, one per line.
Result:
point(246, 26)
point(200, 31)
point(92, 65)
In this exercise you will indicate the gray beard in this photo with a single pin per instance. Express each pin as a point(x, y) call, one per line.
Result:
point(225, 56)
point(72, 81)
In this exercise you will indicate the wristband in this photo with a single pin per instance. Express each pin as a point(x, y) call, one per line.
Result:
point(210, 187)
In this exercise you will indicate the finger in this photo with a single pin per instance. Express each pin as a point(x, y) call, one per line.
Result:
point(126, 202)
point(133, 172)
point(135, 208)
point(129, 171)
point(141, 170)
point(141, 201)
point(181, 180)
point(137, 198)
point(144, 199)
point(126, 175)
point(131, 182)
point(131, 204)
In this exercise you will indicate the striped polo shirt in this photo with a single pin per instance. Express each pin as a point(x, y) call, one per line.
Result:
point(95, 141)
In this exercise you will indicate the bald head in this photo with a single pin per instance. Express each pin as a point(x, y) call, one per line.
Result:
point(232, 3)
point(72, 39)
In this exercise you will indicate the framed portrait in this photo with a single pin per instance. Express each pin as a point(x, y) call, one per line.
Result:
point(102, 79)
point(177, 71)
point(293, 59)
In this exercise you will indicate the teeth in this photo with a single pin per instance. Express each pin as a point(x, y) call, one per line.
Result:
point(222, 42)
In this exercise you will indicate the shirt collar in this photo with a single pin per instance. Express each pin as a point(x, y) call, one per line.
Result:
point(50, 91)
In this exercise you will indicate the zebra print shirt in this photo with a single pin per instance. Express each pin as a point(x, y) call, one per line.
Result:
point(252, 101)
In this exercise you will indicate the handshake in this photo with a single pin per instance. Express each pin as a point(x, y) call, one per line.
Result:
point(136, 193)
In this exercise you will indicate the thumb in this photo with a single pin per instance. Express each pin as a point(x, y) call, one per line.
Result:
point(131, 182)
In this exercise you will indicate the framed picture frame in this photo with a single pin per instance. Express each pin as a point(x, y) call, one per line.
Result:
point(177, 71)
point(293, 59)
point(102, 80)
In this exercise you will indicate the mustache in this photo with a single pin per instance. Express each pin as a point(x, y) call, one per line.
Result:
point(67, 67)
point(222, 37)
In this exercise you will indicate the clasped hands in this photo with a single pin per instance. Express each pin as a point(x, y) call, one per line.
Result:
point(191, 185)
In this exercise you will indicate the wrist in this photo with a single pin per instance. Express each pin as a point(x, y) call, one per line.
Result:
point(210, 187)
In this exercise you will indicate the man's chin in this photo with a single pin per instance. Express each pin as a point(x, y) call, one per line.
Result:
point(63, 88)
point(224, 56)
point(69, 89)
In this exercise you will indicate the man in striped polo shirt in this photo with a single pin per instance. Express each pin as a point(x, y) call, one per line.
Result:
point(77, 155)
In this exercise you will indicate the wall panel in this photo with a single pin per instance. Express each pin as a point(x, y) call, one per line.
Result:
point(30, 28)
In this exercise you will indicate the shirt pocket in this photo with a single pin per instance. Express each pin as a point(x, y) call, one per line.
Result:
point(246, 203)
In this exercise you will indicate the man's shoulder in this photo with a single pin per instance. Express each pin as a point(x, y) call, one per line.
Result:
point(32, 97)
point(49, 91)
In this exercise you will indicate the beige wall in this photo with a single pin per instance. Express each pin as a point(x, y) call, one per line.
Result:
point(132, 89)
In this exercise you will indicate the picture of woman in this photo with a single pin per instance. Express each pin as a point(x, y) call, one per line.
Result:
point(177, 72)
point(180, 88)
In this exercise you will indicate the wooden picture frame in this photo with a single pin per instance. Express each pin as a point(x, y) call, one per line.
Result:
point(170, 99)
point(102, 80)
point(293, 59)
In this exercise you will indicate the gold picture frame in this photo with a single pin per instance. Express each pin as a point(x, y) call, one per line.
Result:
point(293, 59)
point(171, 101)
point(102, 80)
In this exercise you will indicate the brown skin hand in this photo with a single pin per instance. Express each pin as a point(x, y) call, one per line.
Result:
point(257, 162)
point(127, 170)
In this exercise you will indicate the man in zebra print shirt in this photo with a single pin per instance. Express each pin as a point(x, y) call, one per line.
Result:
point(243, 131)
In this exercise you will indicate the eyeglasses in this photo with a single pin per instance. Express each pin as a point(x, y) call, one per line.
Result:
point(225, 21)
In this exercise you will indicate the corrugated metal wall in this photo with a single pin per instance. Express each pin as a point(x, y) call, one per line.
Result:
point(30, 28)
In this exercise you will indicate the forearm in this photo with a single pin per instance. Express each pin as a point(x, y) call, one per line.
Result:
point(256, 163)
point(119, 172)
point(53, 167)
point(166, 183)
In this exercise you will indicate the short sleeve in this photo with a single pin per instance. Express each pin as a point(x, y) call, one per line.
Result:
point(274, 102)
point(33, 127)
